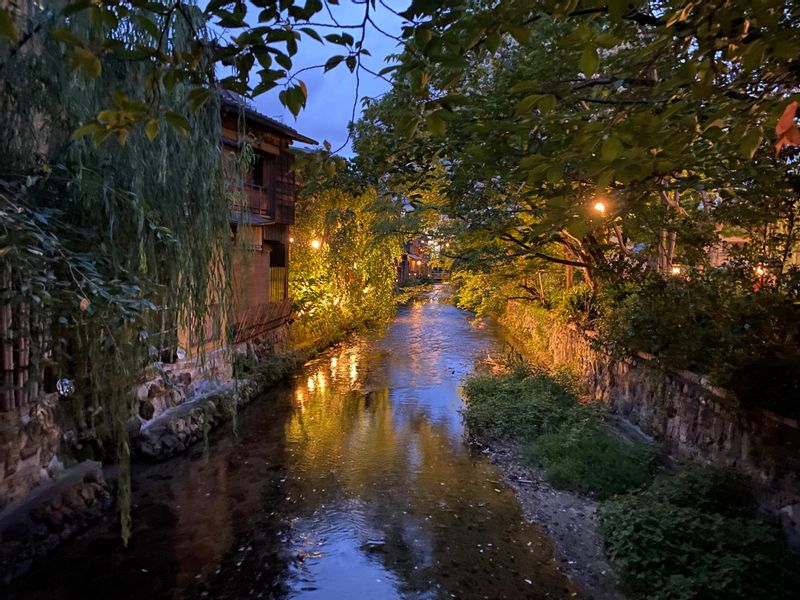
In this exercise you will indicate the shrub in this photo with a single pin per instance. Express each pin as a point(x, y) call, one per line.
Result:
point(712, 323)
point(515, 405)
point(570, 440)
point(587, 456)
point(575, 304)
point(694, 535)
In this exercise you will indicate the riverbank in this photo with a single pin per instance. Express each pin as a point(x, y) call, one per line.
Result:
point(688, 531)
point(570, 519)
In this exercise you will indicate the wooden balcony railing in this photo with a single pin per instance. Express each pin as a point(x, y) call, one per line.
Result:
point(262, 318)
point(258, 199)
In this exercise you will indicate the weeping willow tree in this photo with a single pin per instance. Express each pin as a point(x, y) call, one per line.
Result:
point(112, 246)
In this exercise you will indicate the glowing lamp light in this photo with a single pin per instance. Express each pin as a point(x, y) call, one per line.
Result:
point(291, 240)
point(316, 244)
point(676, 270)
point(761, 271)
point(600, 207)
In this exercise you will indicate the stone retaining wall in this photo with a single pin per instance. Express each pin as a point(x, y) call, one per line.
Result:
point(688, 416)
point(32, 527)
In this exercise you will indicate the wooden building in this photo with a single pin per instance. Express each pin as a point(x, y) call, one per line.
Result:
point(260, 217)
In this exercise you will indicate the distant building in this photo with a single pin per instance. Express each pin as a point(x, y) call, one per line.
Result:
point(414, 262)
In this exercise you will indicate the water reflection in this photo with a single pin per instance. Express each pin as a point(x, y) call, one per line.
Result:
point(354, 482)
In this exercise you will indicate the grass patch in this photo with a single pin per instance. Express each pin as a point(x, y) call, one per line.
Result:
point(517, 405)
point(588, 456)
point(694, 534)
point(571, 441)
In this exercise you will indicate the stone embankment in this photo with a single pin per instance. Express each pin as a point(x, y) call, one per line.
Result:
point(56, 511)
point(682, 411)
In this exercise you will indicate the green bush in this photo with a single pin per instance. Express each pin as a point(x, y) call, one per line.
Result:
point(575, 304)
point(693, 535)
point(570, 440)
point(584, 454)
point(713, 323)
point(516, 406)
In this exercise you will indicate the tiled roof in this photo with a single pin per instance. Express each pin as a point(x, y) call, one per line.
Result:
point(233, 102)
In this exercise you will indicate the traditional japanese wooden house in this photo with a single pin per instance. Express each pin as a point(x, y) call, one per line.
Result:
point(261, 219)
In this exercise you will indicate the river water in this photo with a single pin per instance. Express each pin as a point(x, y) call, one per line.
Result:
point(351, 481)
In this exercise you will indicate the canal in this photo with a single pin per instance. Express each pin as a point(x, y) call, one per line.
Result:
point(353, 480)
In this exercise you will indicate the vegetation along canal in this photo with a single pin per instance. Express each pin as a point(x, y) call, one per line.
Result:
point(353, 481)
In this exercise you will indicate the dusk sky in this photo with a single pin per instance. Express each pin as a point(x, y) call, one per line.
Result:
point(331, 94)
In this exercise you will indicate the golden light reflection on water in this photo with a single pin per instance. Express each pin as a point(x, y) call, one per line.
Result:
point(372, 465)
point(355, 473)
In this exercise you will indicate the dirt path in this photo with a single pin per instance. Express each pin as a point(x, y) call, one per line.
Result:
point(567, 517)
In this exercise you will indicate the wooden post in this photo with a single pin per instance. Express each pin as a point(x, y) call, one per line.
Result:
point(569, 275)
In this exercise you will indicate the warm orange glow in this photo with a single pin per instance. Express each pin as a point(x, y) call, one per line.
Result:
point(760, 271)
point(291, 240)
point(676, 270)
point(600, 207)
point(316, 244)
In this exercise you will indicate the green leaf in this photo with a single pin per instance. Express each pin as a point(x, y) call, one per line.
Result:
point(197, 97)
point(148, 25)
point(617, 8)
point(312, 34)
point(90, 128)
point(555, 173)
point(407, 127)
point(8, 29)
point(85, 61)
point(590, 61)
point(178, 122)
point(333, 62)
point(435, 123)
point(151, 129)
point(283, 61)
point(527, 103)
point(750, 143)
point(493, 42)
point(611, 148)
point(521, 34)
point(546, 103)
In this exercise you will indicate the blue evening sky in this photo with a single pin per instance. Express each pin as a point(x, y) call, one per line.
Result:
point(331, 94)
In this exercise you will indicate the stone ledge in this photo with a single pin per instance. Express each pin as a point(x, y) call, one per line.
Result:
point(54, 512)
point(177, 428)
